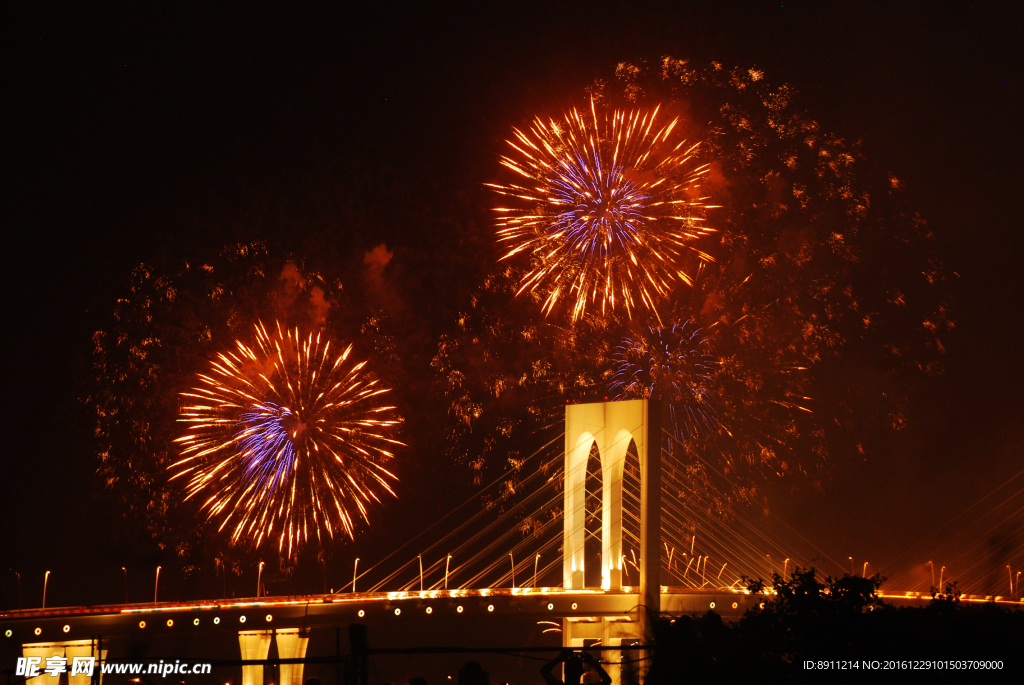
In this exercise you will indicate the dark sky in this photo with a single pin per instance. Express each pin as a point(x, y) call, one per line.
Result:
point(132, 131)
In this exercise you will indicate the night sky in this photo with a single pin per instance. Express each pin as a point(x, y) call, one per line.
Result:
point(137, 133)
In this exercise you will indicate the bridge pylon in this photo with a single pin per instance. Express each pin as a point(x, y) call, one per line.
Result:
point(612, 426)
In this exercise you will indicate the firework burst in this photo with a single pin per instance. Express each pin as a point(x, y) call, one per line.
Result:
point(286, 440)
point(609, 212)
point(674, 363)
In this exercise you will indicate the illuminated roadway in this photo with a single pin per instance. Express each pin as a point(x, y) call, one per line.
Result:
point(309, 611)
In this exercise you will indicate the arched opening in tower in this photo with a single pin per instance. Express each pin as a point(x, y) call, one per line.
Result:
point(592, 524)
point(631, 517)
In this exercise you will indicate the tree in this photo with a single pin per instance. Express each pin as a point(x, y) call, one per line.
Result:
point(836, 621)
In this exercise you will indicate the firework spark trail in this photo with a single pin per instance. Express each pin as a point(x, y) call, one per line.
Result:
point(285, 436)
point(610, 212)
point(676, 363)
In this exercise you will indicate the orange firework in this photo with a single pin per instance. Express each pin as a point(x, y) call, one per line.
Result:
point(610, 211)
point(286, 440)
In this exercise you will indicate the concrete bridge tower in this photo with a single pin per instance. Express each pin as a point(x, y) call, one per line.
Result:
point(611, 426)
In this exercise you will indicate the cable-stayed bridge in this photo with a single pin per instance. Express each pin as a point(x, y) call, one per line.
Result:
point(611, 525)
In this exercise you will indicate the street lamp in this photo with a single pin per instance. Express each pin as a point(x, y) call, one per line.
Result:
point(46, 579)
point(535, 562)
point(446, 563)
point(354, 569)
point(222, 567)
point(156, 585)
point(259, 579)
